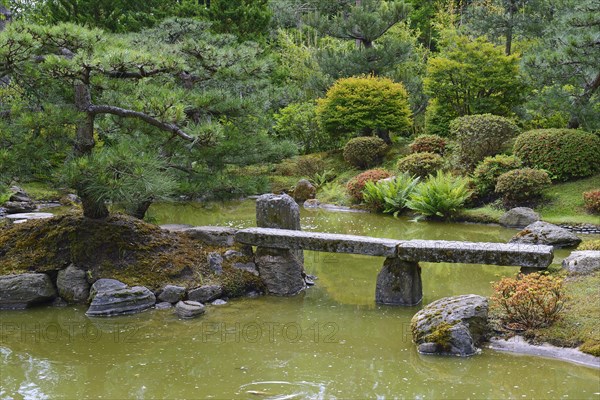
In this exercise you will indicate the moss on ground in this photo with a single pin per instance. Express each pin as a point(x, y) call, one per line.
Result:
point(119, 247)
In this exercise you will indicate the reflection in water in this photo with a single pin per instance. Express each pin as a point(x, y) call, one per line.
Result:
point(330, 342)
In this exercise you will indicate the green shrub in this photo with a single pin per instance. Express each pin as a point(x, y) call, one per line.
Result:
point(521, 186)
point(356, 185)
point(589, 245)
point(389, 196)
point(480, 136)
point(564, 153)
point(487, 172)
point(364, 105)
point(364, 152)
point(529, 301)
point(440, 196)
point(428, 144)
point(298, 122)
point(309, 166)
point(420, 164)
point(591, 200)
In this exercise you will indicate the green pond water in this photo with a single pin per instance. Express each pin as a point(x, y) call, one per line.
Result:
point(330, 342)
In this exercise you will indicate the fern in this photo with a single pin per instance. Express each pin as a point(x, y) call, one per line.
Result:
point(441, 196)
point(389, 196)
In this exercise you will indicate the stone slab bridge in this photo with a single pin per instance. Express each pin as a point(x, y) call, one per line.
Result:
point(280, 243)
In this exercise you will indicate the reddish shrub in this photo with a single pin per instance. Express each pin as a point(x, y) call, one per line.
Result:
point(592, 201)
point(428, 144)
point(357, 184)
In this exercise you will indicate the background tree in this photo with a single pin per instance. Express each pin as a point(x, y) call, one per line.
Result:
point(471, 77)
point(567, 61)
point(365, 106)
point(247, 19)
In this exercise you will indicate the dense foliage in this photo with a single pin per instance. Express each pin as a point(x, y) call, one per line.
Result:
point(428, 144)
point(479, 136)
point(364, 152)
point(356, 185)
point(488, 171)
point(365, 106)
point(297, 122)
point(522, 186)
point(441, 196)
point(420, 164)
point(564, 153)
point(389, 195)
point(529, 301)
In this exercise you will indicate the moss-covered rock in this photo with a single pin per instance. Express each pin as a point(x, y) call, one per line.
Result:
point(118, 247)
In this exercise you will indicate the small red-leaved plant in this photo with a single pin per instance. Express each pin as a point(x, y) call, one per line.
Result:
point(592, 201)
point(529, 301)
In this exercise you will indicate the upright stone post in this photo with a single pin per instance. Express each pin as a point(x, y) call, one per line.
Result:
point(281, 270)
point(399, 283)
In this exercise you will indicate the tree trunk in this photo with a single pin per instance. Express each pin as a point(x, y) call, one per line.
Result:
point(91, 207)
point(139, 210)
point(509, 35)
point(384, 135)
point(588, 92)
point(84, 141)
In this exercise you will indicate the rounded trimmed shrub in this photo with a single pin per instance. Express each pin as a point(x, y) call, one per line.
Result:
point(356, 185)
point(364, 152)
point(420, 164)
point(564, 153)
point(522, 185)
point(591, 200)
point(364, 105)
point(428, 144)
point(487, 172)
point(480, 136)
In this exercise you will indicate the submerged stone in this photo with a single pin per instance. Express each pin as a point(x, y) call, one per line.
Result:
point(280, 270)
point(189, 309)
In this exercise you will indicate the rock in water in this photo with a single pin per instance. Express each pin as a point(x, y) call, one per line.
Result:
point(121, 301)
point(205, 293)
point(519, 217)
point(452, 325)
point(544, 233)
point(23, 290)
point(280, 270)
point(172, 294)
point(72, 285)
point(582, 262)
point(303, 191)
point(104, 285)
point(189, 309)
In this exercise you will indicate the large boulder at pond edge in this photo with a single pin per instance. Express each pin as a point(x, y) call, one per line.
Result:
point(172, 294)
point(23, 290)
point(303, 191)
point(119, 301)
point(72, 285)
point(519, 217)
point(545, 233)
point(205, 293)
point(582, 262)
point(452, 325)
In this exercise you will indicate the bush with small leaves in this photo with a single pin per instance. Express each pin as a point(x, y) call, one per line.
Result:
point(428, 144)
point(356, 185)
point(440, 196)
point(480, 136)
point(591, 200)
point(522, 186)
point(590, 245)
point(389, 195)
point(529, 301)
point(487, 172)
point(420, 164)
point(564, 153)
point(364, 152)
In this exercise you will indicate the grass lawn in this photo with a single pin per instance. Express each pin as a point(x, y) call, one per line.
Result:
point(562, 204)
point(579, 324)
